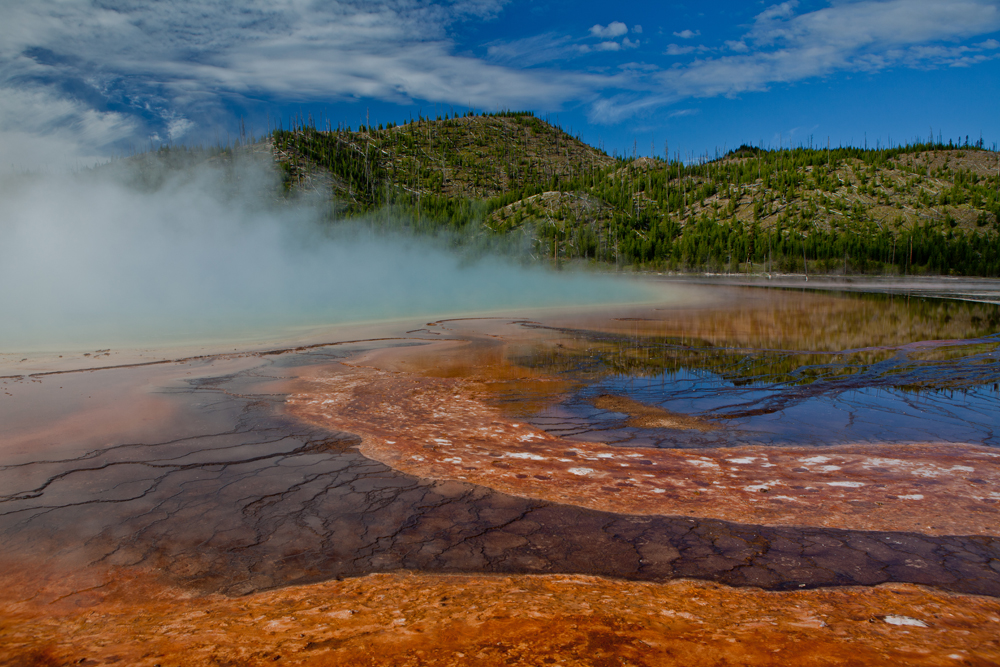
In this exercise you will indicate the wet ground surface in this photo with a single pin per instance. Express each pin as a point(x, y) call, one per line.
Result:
point(257, 500)
point(251, 473)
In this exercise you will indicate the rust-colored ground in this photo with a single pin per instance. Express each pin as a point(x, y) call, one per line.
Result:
point(417, 619)
point(442, 428)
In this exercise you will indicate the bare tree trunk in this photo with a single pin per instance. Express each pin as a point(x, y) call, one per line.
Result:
point(805, 265)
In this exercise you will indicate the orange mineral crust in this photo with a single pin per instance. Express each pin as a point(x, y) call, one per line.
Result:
point(443, 428)
point(417, 619)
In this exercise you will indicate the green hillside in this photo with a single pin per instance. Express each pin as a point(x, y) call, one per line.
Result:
point(913, 209)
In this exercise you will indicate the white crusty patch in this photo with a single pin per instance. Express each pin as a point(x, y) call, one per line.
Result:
point(876, 461)
point(905, 620)
point(582, 471)
point(915, 468)
point(850, 485)
point(524, 455)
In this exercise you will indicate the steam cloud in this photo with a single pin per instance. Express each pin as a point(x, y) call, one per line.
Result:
point(117, 257)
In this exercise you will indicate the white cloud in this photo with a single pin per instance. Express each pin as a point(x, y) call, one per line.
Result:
point(39, 129)
point(687, 34)
point(637, 29)
point(629, 44)
point(782, 11)
point(177, 128)
point(678, 50)
point(608, 46)
point(614, 29)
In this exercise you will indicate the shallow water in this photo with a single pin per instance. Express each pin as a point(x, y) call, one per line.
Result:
point(788, 371)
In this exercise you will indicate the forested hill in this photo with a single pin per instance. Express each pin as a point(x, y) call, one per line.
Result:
point(928, 208)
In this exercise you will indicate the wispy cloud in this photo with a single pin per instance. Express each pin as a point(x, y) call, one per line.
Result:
point(534, 50)
point(855, 36)
point(80, 77)
point(155, 70)
point(550, 47)
point(782, 47)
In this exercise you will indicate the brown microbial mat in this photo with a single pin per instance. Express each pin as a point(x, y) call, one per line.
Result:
point(775, 477)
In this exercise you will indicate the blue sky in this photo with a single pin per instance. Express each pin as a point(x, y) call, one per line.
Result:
point(81, 80)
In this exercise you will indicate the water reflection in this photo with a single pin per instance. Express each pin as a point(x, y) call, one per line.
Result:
point(783, 367)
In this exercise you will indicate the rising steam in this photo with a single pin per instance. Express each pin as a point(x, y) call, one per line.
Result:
point(138, 254)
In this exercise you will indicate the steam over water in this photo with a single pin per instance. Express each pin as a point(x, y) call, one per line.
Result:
point(121, 256)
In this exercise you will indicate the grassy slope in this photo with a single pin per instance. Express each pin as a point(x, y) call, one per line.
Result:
point(917, 209)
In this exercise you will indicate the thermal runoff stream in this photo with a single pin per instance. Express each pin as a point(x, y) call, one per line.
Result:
point(734, 473)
